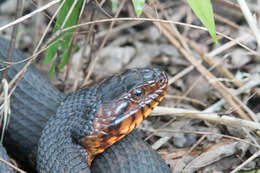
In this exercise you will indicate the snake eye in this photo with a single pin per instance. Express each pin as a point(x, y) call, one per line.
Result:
point(138, 93)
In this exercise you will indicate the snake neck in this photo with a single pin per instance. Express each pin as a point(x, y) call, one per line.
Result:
point(62, 132)
point(59, 144)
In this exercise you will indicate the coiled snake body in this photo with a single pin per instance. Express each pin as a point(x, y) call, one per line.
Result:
point(86, 123)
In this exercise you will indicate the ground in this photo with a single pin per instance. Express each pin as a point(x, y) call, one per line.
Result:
point(201, 73)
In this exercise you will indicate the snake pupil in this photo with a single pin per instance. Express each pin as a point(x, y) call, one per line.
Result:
point(138, 92)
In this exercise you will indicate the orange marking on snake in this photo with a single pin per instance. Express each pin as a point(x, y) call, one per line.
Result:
point(110, 126)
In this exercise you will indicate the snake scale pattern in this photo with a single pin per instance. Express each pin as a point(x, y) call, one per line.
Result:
point(35, 102)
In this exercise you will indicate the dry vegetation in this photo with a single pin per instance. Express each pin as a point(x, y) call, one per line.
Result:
point(209, 120)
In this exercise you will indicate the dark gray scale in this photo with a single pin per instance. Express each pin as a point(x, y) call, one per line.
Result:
point(35, 101)
point(3, 155)
point(73, 120)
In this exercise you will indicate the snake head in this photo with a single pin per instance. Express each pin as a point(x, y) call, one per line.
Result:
point(126, 99)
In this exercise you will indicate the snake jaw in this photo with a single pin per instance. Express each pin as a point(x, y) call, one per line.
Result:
point(115, 120)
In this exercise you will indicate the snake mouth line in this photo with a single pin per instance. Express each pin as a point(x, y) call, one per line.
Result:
point(114, 121)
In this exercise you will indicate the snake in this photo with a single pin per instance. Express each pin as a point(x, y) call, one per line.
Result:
point(89, 130)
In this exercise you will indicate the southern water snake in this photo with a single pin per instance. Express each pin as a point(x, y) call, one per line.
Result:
point(35, 101)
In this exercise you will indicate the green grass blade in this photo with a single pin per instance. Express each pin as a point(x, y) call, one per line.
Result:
point(114, 5)
point(138, 6)
point(203, 9)
point(52, 70)
point(50, 52)
point(63, 41)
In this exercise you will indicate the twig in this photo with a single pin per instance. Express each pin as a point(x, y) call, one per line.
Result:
point(36, 52)
point(172, 29)
point(252, 83)
point(214, 117)
point(47, 28)
point(5, 109)
point(164, 130)
point(116, 19)
point(251, 137)
point(119, 28)
point(92, 66)
point(11, 165)
point(246, 162)
point(209, 59)
point(69, 13)
point(229, 4)
point(160, 142)
point(250, 20)
point(99, 6)
point(154, 20)
point(226, 21)
point(180, 74)
point(228, 45)
point(73, 46)
point(186, 99)
point(204, 72)
point(86, 41)
point(30, 14)
point(13, 37)
point(31, 58)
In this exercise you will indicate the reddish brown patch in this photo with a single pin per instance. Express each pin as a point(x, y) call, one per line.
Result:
point(106, 133)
